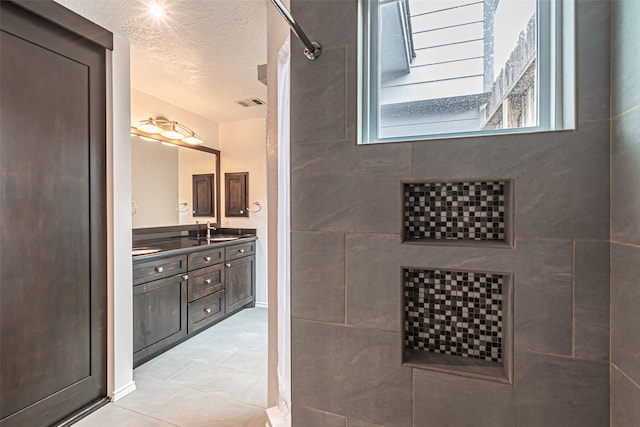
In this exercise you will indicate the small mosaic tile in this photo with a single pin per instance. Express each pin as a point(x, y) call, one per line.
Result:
point(455, 210)
point(454, 312)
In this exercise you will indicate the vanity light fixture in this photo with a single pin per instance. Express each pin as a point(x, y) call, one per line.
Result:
point(171, 132)
point(169, 129)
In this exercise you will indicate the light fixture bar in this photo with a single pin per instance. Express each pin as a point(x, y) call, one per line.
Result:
point(169, 129)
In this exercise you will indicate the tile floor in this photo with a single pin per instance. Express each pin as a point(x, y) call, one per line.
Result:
point(217, 378)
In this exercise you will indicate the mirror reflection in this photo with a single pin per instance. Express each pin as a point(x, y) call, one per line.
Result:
point(162, 184)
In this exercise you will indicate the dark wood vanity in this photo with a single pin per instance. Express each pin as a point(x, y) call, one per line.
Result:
point(187, 286)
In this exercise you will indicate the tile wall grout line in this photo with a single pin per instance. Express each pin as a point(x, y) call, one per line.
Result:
point(364, 328)
point(625, 112)
point(344, 275)
point(629, 245)
point(561, 356)
point(573, 298)
point(413, 397)
point(611, 135)
point(624, 374)
point(413, 160)
point(346, 92)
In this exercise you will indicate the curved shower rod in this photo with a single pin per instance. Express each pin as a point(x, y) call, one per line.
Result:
point(312, 49)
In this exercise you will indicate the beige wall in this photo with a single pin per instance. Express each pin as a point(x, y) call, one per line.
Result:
point(154, 183)
point(243, 149)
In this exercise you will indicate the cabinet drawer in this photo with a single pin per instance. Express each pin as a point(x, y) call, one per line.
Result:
point(238, 251)
point(205, 311)
point(205, 258)
point(205, 281)
point(146, 271)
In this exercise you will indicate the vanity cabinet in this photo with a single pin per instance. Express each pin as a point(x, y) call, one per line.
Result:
point(240, 281)
point(159, 305)
point(176, 296)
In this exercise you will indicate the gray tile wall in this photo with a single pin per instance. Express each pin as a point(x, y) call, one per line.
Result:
point(346, 241)
point(625, 215)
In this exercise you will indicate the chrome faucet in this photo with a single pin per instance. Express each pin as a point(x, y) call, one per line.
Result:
point(209, 228)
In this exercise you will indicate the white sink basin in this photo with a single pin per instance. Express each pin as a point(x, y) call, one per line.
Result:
point(144, 251)
point(222, 238)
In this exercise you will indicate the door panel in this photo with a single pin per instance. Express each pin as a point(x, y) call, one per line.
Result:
point(52, 221)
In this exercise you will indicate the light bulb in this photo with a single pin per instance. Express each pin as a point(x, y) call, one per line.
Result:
point(156, 10)
point(148, 126)
point(172, 134)
point(192, 139)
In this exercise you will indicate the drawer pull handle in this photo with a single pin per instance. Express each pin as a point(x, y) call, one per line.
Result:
point(185, 277)
point(208, 281)
point(241, 251)
point(228, 264)
point(207, 259)
point(159, 269)
point(208, 310)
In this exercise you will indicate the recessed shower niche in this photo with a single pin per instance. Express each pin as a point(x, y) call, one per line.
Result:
point(466, 212)
point(459, 322)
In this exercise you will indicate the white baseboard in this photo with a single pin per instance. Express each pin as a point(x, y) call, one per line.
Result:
point(123, 391)
point(261, 305)
point(275, 418)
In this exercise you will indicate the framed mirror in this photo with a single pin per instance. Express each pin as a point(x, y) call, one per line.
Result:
point(163, 176)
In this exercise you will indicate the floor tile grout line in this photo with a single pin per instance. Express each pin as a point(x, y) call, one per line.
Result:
point(226, 397)
point(146, 415)
point(175, 389)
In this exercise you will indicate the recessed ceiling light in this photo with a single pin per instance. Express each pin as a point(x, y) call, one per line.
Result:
point(156, 10)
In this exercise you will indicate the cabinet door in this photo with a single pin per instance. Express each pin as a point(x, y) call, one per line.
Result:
point(53, 301)
point(159, 316)
point(240, 276)
point(203, 195)
point(236, 194)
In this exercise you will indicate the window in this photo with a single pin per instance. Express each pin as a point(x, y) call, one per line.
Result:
point(443, 68)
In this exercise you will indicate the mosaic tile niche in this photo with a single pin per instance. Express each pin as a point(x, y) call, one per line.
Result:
point(474, 211)
point(458, 321)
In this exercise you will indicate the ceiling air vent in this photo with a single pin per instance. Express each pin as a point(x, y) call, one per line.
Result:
point(251, 102)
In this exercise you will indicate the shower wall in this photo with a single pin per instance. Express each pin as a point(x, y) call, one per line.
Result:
point(348, 252)
point(625, 216)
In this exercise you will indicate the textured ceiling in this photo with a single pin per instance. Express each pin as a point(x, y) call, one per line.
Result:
point(202, 56)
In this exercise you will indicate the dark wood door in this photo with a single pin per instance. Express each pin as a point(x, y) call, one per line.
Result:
point(203, 194)
point(52, 220)
point(236, 194)
point(240, 277)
